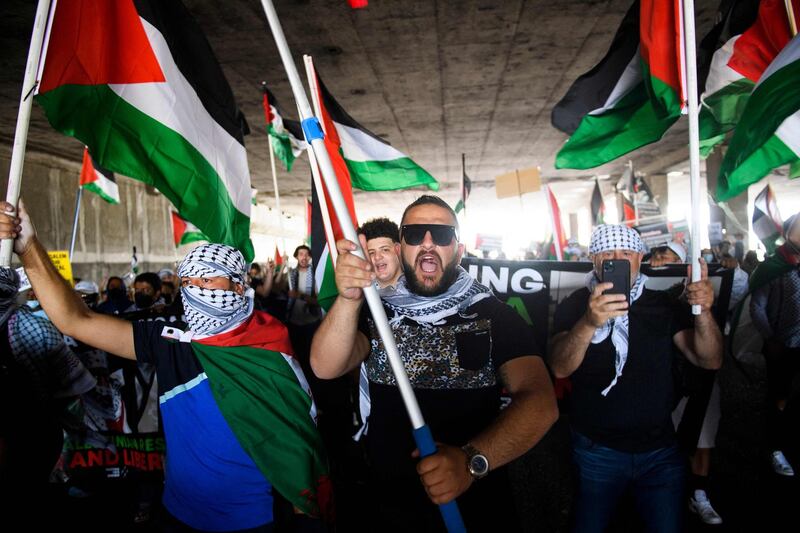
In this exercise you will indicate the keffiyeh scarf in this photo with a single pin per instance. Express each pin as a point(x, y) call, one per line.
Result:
point(9, 284)
point(213, 311)
point(432, 310)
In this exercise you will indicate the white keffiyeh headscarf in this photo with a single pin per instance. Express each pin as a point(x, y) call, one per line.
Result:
point(605, 238)
point(213, 311)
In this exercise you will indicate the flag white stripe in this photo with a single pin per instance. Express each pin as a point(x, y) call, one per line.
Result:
point(631, 77)
point(789, 54)
point(358, 146)
point(176, 105)
point(789, 132)
point(720, 74)
point(106, 185)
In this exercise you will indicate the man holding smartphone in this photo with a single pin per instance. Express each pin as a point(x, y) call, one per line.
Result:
point(617, 348)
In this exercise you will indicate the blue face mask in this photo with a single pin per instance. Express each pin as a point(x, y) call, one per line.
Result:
point(709, 258)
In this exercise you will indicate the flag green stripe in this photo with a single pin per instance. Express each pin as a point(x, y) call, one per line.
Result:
point(282, 147)
point(269, 412)
point(390, 175)
point(758, 164)
point(634, 121)
point(721, 112)
point(192, 236)
point(126, 141)
point(101, 193)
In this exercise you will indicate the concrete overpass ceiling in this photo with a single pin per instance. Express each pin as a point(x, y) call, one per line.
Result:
point(434, 78)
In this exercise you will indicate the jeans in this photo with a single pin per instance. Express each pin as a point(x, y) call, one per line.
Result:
point(656, 479)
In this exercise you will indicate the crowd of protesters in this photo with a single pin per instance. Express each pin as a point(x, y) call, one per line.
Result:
point(274, 411)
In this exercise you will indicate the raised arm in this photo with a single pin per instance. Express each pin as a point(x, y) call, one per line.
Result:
point(63, 307)
point(338, 346)
point(701, 345)
point(568, 348)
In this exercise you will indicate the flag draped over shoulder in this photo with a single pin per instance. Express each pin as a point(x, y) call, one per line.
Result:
point(264, 397)
point(184, 232)
point(374, 164)
point(768, 134)
point(751, 36)
point(285, 135)
point(767, 221)
point(100, 181)
point(137, 82)
point(632, 96)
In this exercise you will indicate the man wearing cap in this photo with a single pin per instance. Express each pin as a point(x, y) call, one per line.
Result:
point(236, 410)
point(775, 310)
point(460, 345)
point(619, 359)
point(89, 293)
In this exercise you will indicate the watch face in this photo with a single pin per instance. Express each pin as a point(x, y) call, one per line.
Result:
point(478, 465)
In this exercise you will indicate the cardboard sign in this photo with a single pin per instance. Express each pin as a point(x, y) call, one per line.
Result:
point(518, 183)
point(60, 259)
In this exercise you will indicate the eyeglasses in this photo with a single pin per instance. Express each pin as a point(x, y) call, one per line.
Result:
point(441, 234)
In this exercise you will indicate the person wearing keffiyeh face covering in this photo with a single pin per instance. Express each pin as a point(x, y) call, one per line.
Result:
point(619, 359)
point(240, 424)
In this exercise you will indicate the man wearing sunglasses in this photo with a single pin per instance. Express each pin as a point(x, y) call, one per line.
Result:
point(460, 346)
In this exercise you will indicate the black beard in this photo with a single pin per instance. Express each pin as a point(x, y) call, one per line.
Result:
point(415, 286)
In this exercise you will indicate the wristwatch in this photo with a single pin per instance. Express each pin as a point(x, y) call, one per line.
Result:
point(477, 463)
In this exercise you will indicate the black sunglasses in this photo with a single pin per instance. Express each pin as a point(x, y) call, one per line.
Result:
point(441, 234)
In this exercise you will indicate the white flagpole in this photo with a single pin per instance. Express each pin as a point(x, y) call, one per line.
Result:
point(277, 194)
point(314, 136)
point(23, 120)
point(690, 69)
point(75, 223)
point(790, 14)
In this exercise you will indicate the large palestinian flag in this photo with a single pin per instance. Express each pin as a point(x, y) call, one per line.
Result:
point(137, 82)
point(632, 96)
point(184, 232)
point(285, 135)
point(753, 35)
point(373, 163)
point(768, 134)
point(98, 180)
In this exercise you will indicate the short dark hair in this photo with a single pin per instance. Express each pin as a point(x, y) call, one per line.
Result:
point(429, 199)
point(112, 278)
point(380, 227)
point(151, 278)
point(301, 247)
point(255, 266)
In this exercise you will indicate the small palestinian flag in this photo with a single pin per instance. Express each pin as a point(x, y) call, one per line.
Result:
point(768, 134)
point(278, 259)
point(751, 36)
point(466, 188)
point(373, 163)
point(632, 96)
point(184, 232)
point(598, 207)
point(285, 136)
point(767, 221)
point(138, 83)
point(98, 180)
point(559, 239)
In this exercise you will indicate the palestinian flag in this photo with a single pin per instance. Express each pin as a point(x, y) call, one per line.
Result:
point(184, 232)
point(559, 238)
point(632, 96)
point(753, 34)
point(373, 163)
point(98, 180)
point(767, 221)
point(285, 136)
point(321, 260)
point(768, 134)
point(265, 399)
point(137, 82)
point(466, 188)
point(278, 260)
point(598, 206)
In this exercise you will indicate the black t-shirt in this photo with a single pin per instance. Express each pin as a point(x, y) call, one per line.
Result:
point(635, 415)
point(453, 370)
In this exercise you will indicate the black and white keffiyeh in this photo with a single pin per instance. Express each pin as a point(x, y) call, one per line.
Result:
point(432, 310)
point(9, 284)
point(605, 238)
point(212, 311)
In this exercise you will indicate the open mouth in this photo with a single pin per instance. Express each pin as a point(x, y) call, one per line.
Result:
point(428, 263)
point(381, 268)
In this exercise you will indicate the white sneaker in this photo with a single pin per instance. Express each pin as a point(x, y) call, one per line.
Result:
point(701, 506)
point(780, 464)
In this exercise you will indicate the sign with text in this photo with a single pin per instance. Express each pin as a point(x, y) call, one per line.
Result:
point(60, 259)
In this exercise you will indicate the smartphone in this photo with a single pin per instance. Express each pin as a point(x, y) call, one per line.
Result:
point(618, 272)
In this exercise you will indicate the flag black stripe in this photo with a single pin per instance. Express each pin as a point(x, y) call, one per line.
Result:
point(339, 115)
point(195, 59)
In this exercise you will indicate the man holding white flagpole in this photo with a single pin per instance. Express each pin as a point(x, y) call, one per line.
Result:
point(461, 345)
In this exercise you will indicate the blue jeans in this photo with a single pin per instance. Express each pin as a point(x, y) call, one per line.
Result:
point(656, 479)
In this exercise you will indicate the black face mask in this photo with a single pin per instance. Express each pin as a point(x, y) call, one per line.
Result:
point(142, 300)
point(117, 293)
point(167, 298)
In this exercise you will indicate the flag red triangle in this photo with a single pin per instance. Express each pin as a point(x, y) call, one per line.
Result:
point(88, 173)
point(178, 227)
point(278, 257)
point(98, 42)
